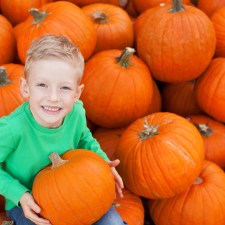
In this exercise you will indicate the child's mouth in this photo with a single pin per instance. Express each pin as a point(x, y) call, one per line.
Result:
point(51, 109)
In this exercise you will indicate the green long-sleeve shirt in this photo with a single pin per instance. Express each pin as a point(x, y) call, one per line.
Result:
point(25, 146)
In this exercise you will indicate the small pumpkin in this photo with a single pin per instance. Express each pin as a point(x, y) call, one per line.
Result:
point(81, 183)
point(202, 203)
point(10, 96)
point(59, 18)
point(113, 25)
point(130, 208)
point(160, 155)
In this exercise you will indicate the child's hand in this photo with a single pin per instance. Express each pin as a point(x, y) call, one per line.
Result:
point(117, 177)
point(31, 209)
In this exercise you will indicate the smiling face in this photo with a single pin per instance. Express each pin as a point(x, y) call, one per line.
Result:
point(52, 88)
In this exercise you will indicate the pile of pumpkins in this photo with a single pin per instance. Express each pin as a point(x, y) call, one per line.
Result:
point(154, 96)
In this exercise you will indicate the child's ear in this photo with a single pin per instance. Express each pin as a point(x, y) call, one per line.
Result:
point(79, 91)
point(24, 88)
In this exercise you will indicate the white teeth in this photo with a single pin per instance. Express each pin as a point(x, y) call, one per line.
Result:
point(52, 109)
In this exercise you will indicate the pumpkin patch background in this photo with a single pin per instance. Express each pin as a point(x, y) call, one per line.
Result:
point(154, 95)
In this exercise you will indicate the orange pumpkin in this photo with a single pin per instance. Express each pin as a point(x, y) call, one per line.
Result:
point(121, 3)
point(108, 139)
point(82, 185)
point(209, 7)
point(130, 208)
point(20, 12)
point(170, 38)
point(156, 103)
point(7, 41)
point(60, 18)
point(219, 23)
point(213, 133)
point(160, 155)
point(202, 203)
point(142, 5)
point(10, 96)
point(118, 88)
point(113, 25)
point(209, 89)
point(179, 98)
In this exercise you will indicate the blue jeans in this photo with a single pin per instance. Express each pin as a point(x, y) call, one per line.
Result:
point(110, 218)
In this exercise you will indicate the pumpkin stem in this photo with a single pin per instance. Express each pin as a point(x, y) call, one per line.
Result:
point(204, 129)
point(116, 205)
point(38, 16)
point(177, 6)
point(148, 131)
point(100, 17)
point(56, 160)
point(4, 80)
point(198, 180)
point(124, 59)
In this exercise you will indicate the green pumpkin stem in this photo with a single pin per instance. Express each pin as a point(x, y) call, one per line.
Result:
point(100, 17)
point(38, 16)
point(204, 129)
point(177, 6)
point(148, 131)
point(124, 59)
point(4, 80)
point(56, 160)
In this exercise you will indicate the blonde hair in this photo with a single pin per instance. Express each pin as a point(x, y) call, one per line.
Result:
point(52, 46)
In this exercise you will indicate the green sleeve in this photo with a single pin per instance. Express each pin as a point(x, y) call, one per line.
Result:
point(87, 141)
point(10, 187)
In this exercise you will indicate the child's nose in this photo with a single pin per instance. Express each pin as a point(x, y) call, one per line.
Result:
point(53, 96)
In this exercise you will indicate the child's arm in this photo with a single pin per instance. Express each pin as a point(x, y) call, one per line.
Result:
point(31, 209)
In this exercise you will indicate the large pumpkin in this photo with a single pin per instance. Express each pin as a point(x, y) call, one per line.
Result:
point(213, 134)
point(10, 96)
point(60, 18)
point(76, 190)
point(209, 90)
point(118, 88)
point(7, 41)
point(113, 25)
point(16, 11)
point(177, 42)
point(160, 155)
point(203, 203)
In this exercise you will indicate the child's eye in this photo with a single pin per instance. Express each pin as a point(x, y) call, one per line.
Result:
point(65, 88)
point(41, 85)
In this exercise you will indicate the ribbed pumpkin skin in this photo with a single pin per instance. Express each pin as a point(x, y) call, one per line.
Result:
point(209, 89)
point(115, 96)
point(64, 18)
point(200, 204)
point(16, 11)
point(164, 164)
point(130, 208)
point(113, 32)
point(142, 5)
point(7, 41)
point(209, 7)
point(179, 98)
point(219, 23)
point(213, 133)
point(10, 96)
point(176, 46)
point(78, 192)
point(121, 3)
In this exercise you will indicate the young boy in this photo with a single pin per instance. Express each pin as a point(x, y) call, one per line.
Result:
point(53, 119)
